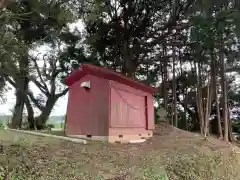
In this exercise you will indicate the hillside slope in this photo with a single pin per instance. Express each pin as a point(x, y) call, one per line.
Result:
point(171, 153)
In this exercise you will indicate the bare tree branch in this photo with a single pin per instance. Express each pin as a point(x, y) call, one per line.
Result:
point(35, 101)
point(43, 85)
point(7, 78)
point(39, 85)
point(64, 92)
point(173, 21)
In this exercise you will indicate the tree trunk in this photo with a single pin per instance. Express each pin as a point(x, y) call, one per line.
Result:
point(3, 4)
point(208, 108)
point(162, 80)
point(185, 107)
point(224, 96)
point(129, 65)
point(18, 110)
point(165, 87)
point(214, 74)
point(184, 98)
point(21, 89)
point(218, 116)
point(230, 135)
point(199, 98)
point(31, 123)
point(42, 119)
point(175, 119)
point(230, 127)
point(22, 84)
point(165, 79)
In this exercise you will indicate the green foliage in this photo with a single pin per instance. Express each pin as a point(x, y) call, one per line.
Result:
point(36, 23)
point(2, 126)
point(120, 42)
point(2, 89)
point(133, 37)
point(236, 125)
point(49, 126)
point(39, 21)
point(156, 116)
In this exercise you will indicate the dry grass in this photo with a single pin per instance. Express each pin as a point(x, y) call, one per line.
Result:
point(172, 153)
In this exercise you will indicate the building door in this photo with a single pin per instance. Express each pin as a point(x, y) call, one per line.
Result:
point(128, 109)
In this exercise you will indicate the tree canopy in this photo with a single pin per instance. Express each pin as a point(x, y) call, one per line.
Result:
point(187, 49)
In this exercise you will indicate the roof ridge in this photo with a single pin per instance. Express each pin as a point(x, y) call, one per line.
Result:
point(107, 74)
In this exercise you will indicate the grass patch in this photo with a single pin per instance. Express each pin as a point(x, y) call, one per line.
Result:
point(175, 156)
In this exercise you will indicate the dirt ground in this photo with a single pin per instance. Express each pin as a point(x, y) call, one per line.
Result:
point(171, 154)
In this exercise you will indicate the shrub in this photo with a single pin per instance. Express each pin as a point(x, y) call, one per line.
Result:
point(2, 126)
point(25, 125)
point(49, 127)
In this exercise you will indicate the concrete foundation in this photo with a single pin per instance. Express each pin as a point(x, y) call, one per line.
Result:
point(125, 138)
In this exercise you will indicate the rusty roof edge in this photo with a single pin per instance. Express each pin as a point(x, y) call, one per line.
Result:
point(108, 74)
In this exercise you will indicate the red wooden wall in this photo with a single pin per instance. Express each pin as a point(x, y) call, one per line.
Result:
point(108, 108)
point(127, 107)
point(87, 110)
point(131, 110)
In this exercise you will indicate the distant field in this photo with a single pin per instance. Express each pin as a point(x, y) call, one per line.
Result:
point(57, 121)
point(57, 125)
point(4, 119)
